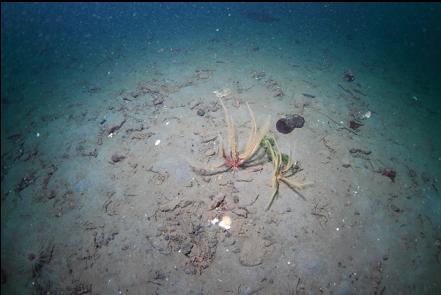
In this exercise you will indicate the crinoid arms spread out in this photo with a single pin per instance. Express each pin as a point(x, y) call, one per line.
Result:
point(232, 158)
point(283, 167)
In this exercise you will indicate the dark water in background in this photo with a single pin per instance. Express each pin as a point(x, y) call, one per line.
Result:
point(44, 46)
point(36, 37)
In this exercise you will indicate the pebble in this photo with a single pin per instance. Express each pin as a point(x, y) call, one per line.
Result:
point(186, 248)
point(201, 112)
point(116, 158)
point(190, 270)
point(158, 100)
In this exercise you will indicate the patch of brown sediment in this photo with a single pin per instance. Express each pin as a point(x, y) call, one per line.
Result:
point(183, 229)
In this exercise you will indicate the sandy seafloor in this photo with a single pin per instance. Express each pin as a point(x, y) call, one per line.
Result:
point(88, 90)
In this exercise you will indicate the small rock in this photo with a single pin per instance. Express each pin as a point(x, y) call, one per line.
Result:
point(159, 275)
point(201, 112)
point(349, 76)
point(279, 93)
point(116, 158)
point(395, 208)
point(236, 199)
point(52, 195)
point(267, 243)
point(158, 100)
point(389, 173)
point(354, 124)
point(190, 270)
point(186, 248)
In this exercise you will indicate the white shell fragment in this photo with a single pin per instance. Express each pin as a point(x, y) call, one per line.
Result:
point(157, 142)
point(367, 115)
point(225, 222)
point(214, 221)
point(222, 93)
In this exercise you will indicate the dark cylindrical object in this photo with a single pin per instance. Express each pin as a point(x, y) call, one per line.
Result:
point(288, 124)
